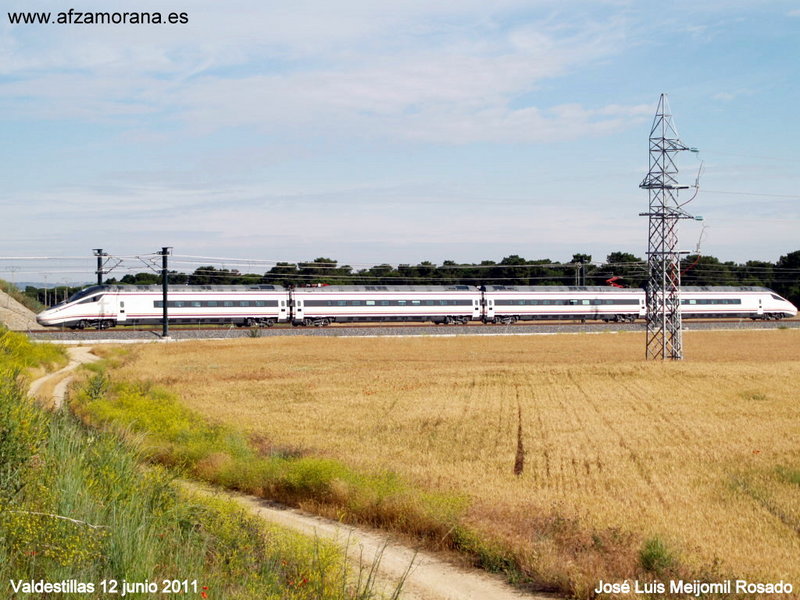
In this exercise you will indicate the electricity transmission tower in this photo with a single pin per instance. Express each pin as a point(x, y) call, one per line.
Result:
point(664, 339)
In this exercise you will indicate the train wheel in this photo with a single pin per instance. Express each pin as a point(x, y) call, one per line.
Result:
point(270, 322)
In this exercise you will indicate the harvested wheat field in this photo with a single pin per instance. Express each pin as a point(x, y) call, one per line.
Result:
point(577, 455)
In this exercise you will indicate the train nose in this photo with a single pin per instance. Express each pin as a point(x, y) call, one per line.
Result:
point(43, 318)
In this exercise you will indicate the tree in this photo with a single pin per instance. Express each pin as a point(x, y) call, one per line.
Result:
point(707, 270)
point(209, 275)
point(787, 282)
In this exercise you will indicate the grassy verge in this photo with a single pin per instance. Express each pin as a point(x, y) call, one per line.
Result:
point(175, 436)
point(76, 505)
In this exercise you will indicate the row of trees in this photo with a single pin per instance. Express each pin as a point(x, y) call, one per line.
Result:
point(619, 268)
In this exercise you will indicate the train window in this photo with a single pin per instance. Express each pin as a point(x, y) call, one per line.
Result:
point(227, 303)
point(197, 303)
point(370, 302)
point(585, 302)
point(415, 302)
point(401, 302)
point(178, 304)
point(92, 299)
point(384, 303)
point(211, 303)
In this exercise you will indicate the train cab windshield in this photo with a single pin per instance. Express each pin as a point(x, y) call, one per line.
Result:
point(84, 293)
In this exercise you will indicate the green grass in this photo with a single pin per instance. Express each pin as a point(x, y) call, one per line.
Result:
point(656, 557)
point(18, 353)
point(76, 503)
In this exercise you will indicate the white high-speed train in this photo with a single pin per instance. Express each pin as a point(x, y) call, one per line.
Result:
point(104, 306)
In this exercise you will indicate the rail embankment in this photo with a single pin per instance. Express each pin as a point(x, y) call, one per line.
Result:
point(13, 314)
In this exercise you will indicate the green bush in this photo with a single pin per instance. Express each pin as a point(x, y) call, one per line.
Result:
point(17, 352)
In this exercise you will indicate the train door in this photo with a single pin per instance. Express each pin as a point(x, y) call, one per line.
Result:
point(760, 307)
point(298, 309)
point(476, 309)
point(107, 308)
point(122, 311)
point(489, 308)
point(282, 314)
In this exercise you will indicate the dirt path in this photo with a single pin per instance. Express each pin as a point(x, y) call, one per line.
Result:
point(429, 577)
point(61, 378)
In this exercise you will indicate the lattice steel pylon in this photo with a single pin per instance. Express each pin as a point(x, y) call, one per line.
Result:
point(664, 331)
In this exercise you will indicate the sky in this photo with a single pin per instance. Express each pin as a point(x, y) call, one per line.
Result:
point(391, 131)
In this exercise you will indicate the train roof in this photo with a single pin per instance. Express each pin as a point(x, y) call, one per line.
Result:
point(343, 289)
point(558, 288)
point(609, 289)
point(724, 288)
point(332, 289)
point(178, 288)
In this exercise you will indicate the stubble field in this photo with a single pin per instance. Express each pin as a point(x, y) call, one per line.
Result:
point(576, 455)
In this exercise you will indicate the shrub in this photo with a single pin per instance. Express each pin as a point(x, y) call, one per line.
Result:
point(655, 556)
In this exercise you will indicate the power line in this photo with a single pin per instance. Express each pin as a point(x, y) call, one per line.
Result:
point(791, 196)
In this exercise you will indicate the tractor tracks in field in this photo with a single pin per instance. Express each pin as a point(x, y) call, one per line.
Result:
point(418, 574)
point(634, 455)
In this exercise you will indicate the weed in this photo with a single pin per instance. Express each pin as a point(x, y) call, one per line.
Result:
point(655, 556)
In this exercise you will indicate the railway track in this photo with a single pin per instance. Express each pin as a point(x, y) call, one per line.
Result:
point(520, 328)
